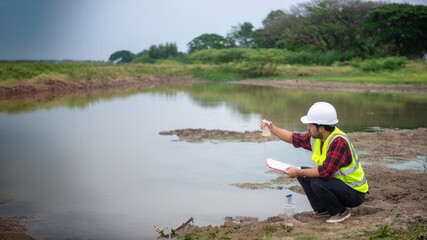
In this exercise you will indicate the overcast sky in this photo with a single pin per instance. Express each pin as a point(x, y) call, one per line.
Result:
point(94, 29)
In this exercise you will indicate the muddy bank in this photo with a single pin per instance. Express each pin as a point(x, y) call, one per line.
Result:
point(339, 86)
point(59, 87)
point(276, 183)
point(397, 197)
point(216, 135)
point(13, 228)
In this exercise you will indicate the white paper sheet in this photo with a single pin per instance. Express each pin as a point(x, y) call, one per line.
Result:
point(276, 165)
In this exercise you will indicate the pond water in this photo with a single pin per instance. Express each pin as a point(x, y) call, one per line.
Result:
point(95, 166)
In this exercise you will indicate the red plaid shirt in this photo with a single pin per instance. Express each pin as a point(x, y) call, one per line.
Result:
point(338, 154)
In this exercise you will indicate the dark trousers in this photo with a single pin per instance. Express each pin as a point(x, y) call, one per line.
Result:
point(332, 195)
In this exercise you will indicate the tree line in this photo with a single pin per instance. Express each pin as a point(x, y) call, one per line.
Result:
point(340, 29)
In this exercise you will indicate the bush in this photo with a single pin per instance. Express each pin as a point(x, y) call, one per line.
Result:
point(393, 63)
point(143, 59)
point(240, 55)
point(381, 64)
point(260, 62)
point(230, 55)
point(313, 58)
point(303, 58)
point(202, 56)
point(246, 62)
point(218, 56)
point(330, 57)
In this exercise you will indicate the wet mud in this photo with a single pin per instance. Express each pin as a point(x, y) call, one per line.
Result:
point(13, 228)
point(216, 135)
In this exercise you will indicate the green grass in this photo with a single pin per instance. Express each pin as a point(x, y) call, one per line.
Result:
point(403, 76)
point(12, 74)
point(16, 73)
point(268, 230)
point(415, 73)
point(409, 231)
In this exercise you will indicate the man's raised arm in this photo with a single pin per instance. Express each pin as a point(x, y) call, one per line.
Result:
point(283, 134)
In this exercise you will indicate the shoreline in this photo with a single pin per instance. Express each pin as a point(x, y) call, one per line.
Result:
point(58, 87)
point(13, 227)
point(339, 86)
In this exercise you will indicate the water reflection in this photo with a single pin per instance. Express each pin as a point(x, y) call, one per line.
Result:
point(356, 111)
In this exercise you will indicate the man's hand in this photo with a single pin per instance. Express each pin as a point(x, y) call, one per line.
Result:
point(283, 134)
point(293, 172)
point(266, 123)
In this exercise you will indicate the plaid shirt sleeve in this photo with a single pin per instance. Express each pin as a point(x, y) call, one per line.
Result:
point(338, 156)
point(301, 140)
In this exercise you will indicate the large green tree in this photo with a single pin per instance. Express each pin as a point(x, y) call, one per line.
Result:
point(399, 28)
point(260, 40)
point(163, 51)
point(207, 41)
point(122, 56)
point(324, 24)
point(242, 34)
point(155, 52)
point(272, 35)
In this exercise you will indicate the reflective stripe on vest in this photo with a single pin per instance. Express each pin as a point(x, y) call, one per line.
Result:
point(352, 174)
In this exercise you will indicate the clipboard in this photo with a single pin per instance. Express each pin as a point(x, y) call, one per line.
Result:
point(277, 165)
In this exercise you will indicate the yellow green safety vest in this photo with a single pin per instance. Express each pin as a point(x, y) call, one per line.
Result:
point(353, 174)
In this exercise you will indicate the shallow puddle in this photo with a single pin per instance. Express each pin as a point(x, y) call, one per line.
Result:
point(419, 164)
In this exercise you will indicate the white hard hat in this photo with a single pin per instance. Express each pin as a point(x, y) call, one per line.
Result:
point(322, 113)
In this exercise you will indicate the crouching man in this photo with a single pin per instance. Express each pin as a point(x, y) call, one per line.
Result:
point(338, 181)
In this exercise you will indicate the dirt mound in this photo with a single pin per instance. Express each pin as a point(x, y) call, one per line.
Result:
point(215, 135)
point(391, 145)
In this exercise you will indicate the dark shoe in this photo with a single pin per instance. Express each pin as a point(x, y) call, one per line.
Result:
point(339, 217)
point(321, 213)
